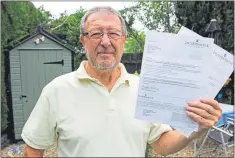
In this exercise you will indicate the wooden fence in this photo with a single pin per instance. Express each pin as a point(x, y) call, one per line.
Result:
point(132, 62)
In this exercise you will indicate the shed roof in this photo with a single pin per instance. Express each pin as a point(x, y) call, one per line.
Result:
point(40, 30)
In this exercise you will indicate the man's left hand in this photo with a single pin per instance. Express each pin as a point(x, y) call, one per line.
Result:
point(205, 112)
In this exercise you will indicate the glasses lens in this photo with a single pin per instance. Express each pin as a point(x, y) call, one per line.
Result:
point(99, 35)
point(114, 35)
point(95, 35)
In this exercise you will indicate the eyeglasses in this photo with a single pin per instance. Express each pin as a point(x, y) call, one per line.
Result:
point(99, 34)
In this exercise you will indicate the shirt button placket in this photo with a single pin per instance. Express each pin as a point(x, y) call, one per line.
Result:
point(112, 106)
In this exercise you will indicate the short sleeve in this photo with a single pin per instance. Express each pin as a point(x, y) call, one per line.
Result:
point(39, 131)
point(156, 131)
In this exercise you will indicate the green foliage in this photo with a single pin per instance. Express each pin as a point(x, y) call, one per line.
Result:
point(158, 15)
point(135, 40)
point(154, 15)
point(4, 108)
point(196, 15)
point(18, 18)
point(132, 45)
point(4, 113)
point(67, 28)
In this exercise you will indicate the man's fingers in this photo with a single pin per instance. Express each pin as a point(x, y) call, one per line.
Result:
point(208, 108)
point(201, 113)
point(205, 112)
point(200, 120)
point(211, 102)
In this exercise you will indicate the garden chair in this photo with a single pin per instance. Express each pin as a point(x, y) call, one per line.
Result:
point(222, 132)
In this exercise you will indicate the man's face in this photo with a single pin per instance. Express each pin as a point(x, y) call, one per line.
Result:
point(103, 53)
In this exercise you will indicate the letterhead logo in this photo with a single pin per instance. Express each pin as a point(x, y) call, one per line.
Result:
point(222, 57)
point(196, 44)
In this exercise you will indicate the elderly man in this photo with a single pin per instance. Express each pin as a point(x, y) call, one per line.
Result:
point(90, 112)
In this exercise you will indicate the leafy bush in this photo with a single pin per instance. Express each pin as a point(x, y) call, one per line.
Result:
point(4, 113)
point(18, 18)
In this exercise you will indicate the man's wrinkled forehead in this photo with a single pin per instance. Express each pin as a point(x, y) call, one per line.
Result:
point(98, 17)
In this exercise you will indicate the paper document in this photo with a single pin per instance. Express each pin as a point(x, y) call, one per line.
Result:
point(220, 66)
point(172, 74)
point(226, 107)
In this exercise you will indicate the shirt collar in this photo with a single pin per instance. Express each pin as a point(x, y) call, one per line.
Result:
point(82, 74)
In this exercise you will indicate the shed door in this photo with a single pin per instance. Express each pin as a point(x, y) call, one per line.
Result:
point(38, 67)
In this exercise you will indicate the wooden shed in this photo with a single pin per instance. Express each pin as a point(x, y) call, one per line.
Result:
point(33, 63)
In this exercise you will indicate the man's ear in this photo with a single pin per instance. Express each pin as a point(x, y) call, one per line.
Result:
point(81, 39)
point(124, 38)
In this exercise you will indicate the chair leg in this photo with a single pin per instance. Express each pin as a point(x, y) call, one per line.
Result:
point(224, 145)
point(203, 142)
point(194, 147)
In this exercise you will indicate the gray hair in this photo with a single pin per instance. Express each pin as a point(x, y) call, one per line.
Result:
point(100, 9)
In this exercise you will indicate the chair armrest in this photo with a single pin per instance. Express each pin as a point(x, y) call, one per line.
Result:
point(225, 132)
point(230, 122)
point(229, 118)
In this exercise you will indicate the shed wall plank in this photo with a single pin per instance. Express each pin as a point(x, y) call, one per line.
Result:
point(18, 119)
point(18, 107)
point(14, 58)
point(16, 83)
point(19, 125)
point(18, 136)
point(16, 88)
point(18, 130)
point(15, 70)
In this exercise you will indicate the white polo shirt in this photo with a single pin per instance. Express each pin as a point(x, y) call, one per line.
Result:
point(88, 119)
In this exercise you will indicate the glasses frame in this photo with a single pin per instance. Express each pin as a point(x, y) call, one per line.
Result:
point(102, 35)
